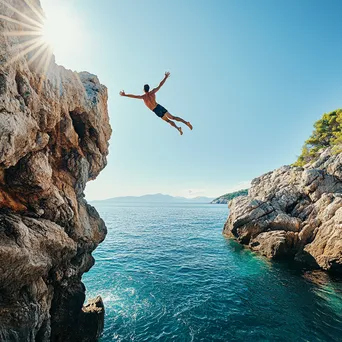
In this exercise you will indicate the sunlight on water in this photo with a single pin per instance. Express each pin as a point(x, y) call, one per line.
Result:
point(166, 273)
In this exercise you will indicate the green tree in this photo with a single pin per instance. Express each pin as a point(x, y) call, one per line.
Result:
point(327, 133)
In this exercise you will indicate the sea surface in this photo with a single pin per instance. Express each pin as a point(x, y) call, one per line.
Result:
point(166, 273)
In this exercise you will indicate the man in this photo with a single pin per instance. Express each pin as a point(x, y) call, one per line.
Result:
point(150, 101)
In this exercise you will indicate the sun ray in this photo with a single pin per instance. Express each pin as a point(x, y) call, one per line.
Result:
point(38, 53)
point(35, 10)
point(36, 23)
point(37, 35)
point(36, 44)
point(45, 68)
point(18, 22)
point(27, 43)
point(24, 52)
point(22, 33)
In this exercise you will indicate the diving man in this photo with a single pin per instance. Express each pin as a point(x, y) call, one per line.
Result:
point(150, 101)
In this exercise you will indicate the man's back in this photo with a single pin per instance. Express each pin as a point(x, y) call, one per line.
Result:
point(150, 99)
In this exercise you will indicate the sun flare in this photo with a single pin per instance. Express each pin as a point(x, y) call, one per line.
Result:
point(57, 31)
point(61, 30)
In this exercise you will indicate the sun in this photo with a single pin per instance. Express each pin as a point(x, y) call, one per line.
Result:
point(40, 34)
point(61, 29)
point(50, 34)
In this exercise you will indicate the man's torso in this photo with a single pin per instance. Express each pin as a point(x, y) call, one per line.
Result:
point(150, 100)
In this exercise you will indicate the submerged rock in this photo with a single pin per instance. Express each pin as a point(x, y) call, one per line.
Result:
point(54, 132)
point(294, 212)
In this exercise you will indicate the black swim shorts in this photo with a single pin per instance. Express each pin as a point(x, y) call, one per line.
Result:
point(160, 110)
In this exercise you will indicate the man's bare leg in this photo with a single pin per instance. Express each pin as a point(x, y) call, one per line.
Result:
point(173, 124)
point(176, 118)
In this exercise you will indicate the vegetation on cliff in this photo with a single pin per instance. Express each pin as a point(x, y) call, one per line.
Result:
point(327, 133)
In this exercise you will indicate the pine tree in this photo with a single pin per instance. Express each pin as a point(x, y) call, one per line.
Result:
point(327, 133)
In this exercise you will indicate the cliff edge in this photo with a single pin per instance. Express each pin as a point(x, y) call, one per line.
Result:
point(294, 212)
point(54, 132)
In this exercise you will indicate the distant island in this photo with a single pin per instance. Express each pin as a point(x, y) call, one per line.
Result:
point(224, 199)
point(153, 198)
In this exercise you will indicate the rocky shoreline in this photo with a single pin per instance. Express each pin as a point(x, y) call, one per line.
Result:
point(294, 212)
point(54, 133)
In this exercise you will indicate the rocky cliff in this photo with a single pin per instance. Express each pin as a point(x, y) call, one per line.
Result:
point(54, 132)
point(294, 212)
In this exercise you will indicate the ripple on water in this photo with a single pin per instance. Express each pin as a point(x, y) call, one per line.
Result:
point(166, 273)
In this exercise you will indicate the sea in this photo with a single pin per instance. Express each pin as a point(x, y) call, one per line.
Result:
point(166, 273)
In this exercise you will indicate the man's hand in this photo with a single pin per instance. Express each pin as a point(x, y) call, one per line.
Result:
point(122, 93)
point(167, 75)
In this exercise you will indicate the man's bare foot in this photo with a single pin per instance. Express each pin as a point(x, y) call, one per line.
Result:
point(189, 125)
point(180, 130)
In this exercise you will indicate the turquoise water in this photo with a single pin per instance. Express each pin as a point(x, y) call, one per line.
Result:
point(166, 273)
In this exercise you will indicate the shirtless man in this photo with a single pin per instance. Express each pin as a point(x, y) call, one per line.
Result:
point(150, 101)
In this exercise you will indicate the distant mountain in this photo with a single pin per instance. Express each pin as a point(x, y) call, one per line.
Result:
point(153, 198)
point(224, 199)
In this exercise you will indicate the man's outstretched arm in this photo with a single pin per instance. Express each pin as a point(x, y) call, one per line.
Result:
point(167, 75)
point(122, 93)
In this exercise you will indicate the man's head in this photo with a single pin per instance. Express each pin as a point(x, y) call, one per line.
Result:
point(146, 88)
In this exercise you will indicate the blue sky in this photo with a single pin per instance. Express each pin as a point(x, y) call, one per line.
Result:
point(251, 76)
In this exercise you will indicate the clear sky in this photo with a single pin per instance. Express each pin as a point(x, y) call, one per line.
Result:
point(251, 76)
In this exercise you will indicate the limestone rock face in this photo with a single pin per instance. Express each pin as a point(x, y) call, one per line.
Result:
point(294, 212)
point(54, 133)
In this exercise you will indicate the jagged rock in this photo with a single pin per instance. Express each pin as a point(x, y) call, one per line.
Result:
point(294, 212)
point(54, 133)
point(275, 244)
point(93, 318)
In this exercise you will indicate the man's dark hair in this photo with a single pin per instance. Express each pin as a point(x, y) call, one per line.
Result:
point(146, 87)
